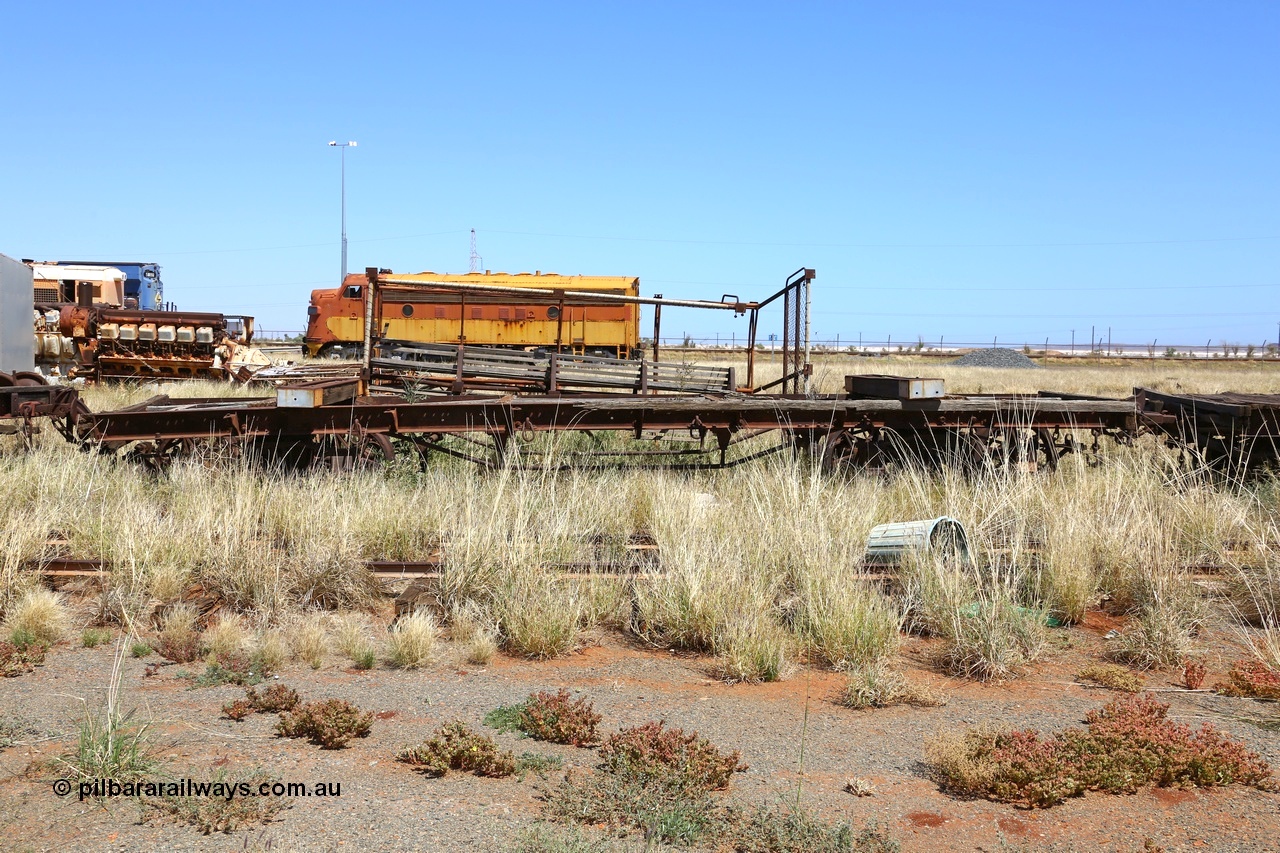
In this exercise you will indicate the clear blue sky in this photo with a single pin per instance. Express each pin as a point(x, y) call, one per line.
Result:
point(967, 170)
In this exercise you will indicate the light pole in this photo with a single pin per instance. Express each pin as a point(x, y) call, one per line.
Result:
point(344, 146)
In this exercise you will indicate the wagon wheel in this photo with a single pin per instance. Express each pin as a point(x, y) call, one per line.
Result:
point(356, 451)
point(158, 455)
point(866, 448)
point(1046, 449)
point(839, 451)
point(28, 378)
point(966, 450)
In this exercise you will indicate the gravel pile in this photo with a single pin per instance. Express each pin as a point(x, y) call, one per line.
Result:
point(997, 357)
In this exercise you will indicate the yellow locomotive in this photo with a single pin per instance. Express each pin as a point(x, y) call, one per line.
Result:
point(335, 317)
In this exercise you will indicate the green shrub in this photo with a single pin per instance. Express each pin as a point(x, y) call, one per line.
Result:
point(93, 637)
point(140, 650)
point(364, 657)
point(554, 717)
point(330, 724)
point(232, 668)
point(537, 763)
point(793, 830)
point(111, 745)
point(454, 746)
point(1129, 744)
point(665, 808)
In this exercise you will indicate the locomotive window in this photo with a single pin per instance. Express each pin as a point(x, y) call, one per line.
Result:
point(353, 292)
point(406, 310)
point(553, 312)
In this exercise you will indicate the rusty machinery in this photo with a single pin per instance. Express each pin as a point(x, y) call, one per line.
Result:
point(117, 343)
point(26, 397)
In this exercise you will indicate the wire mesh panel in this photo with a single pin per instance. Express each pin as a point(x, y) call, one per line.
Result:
point(795, 328)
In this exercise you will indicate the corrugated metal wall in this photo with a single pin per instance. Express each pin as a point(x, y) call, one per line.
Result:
point(17, 340)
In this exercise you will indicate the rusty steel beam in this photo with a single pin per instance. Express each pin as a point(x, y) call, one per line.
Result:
point(390, 416)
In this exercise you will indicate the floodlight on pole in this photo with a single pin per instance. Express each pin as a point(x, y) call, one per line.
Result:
point(344, 146)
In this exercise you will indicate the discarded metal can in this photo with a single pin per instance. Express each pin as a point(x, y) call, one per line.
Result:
point(888, 544)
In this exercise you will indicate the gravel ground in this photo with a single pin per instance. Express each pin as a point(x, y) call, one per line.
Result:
point(386, 806)
point(995, 357)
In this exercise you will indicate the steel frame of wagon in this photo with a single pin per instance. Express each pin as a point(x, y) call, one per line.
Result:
point(804, 420)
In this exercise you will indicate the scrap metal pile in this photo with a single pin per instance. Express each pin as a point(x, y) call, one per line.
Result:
point(88, 325)
point(115, 343)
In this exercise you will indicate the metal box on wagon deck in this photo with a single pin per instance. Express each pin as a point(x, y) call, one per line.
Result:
point(881, 387)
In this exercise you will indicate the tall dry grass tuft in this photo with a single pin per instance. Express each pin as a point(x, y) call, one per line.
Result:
point(178, 639)
point(994, 636)
point(1169, 614)
point(472, 626)
point(39, 616)
point(539, 618)
point(412, 640)
point(351, 638)
point(753, 650)
point(227, 637)
point(761, 564)
point(847, 624)
point(22, 540)
point(308, 638)
point(111, 743)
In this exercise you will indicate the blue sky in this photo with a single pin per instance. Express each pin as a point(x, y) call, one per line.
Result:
point(967, 171)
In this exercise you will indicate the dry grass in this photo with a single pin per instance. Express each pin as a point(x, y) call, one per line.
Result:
point(178, 638)
point(412, 640)
point(39, 616)
point(308, 638)
point(227, 637)
point(877, 686)
point(1114, 677)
